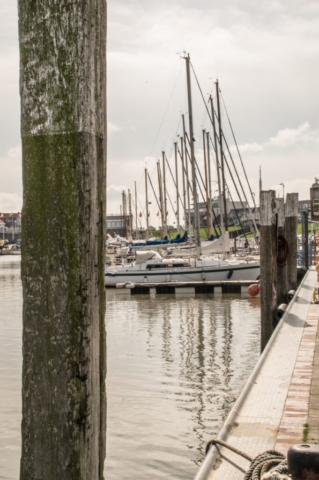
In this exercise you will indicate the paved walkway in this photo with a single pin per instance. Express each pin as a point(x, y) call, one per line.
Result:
point(313, 412)
point(301, 408)
point(279, 405)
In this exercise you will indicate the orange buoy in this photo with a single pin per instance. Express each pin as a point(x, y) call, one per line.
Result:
point(253, 290)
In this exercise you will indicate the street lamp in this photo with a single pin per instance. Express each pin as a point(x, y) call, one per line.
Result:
point(283, 190)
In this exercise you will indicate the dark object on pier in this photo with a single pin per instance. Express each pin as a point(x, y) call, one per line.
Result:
point(303, 461)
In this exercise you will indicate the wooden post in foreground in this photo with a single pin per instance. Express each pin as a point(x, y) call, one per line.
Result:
point(63, 115)
point(291, 225)
point(282, 265)
point(268, 263)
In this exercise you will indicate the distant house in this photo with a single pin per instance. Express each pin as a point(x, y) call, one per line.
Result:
point(304, 206)
point(2, 224)
point(231, 207)
point(117, 224)
point(12, 221)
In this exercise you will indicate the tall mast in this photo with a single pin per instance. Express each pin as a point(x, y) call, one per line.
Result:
point(209, 182)
point(191, 135)
point(136, 227)
point(187, 177)
point(124, 212)
point(221, 155)
point(146, 200)
point(207, 185)
point(220, 202)
point(164, 195)
point(177, 193)
point(149, 179)
point(130, 213)
point(123, 203)
point(160, 195)
point(184, 186)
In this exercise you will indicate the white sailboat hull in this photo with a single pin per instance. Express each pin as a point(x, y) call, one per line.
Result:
point(202, 272)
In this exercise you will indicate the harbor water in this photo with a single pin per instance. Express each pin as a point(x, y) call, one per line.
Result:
point(175, 367)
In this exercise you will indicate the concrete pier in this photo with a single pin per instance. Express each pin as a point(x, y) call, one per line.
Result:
point(278, 406)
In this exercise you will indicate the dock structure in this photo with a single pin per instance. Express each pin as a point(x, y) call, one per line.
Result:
point(278, 406)
point(196, 287)
point(186, 288)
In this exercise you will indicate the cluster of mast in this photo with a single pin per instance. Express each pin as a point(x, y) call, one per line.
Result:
point(184, 150)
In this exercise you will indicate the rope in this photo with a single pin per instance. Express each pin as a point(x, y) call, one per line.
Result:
point(270, 465)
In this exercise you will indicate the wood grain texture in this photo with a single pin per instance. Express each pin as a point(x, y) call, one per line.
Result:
point(63, 112)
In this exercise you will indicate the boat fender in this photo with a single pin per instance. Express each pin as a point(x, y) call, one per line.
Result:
point(253, 290)
point(230, 274)
point(290, 295)
point(280, 311)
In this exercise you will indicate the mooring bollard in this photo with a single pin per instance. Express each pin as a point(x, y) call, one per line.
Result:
point(303, 461)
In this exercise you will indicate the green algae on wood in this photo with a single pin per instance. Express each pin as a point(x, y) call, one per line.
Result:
point(63, 125)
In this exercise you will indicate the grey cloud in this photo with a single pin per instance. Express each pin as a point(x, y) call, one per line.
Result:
point(264, 53)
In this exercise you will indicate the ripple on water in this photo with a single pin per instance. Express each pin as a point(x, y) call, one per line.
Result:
point(175, 367)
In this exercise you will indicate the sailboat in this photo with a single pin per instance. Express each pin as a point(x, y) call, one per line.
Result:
point(150, 266)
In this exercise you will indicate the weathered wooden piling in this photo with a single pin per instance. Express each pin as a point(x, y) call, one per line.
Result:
point(305, 239)
point(268, 264)
point(282, 253)
point(63, 123)
point(291, 224)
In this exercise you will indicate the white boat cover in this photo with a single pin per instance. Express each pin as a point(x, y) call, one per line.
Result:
point(142, 256)
point(219, 245)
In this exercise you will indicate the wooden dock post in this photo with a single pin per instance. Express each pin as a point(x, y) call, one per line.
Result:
point(268, 264)
point(291, 224)
point(305, 239)
point(281, 253)
point(63, 126)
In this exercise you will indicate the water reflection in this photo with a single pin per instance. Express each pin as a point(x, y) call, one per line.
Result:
point(198, 353)
point(175, 367)
point(10, 366)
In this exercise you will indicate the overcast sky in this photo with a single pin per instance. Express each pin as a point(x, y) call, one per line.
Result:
point(265, 55)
